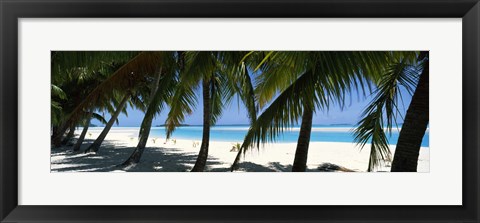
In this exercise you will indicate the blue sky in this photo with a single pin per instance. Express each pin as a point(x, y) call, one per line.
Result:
point(236, 114)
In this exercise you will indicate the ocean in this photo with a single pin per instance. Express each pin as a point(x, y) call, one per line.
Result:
point(236, 133)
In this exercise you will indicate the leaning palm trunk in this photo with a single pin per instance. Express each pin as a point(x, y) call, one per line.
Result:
point(57, 135)
point(203, 154)
point(237, 159)
point(79, 142)
point(54, 132)
point(301, 153)
point(413, 129)
point(98, 142)
point(70, 134)
point(145, 127)
point(137, 153)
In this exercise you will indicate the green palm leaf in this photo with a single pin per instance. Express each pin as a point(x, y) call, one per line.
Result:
point(384, 106)
point(126, 78)
point(324, 77)
point(99, 118)
point(58, 92)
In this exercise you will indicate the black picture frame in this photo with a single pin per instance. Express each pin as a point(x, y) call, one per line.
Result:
point(11, 11)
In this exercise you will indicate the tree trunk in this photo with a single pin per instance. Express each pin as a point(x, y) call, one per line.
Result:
point(79, 142)
point(370, 168)
point(98, 142)
point(137, 153)
point(145, 128)
point(414, 127)
point(237, 159)
point(58, 135)
point(203, 154)
point(70, 134)
point(55, 140)
point(301, 153)
point(54, 130)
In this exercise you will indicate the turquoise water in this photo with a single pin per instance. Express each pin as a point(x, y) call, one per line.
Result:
point(236, 133)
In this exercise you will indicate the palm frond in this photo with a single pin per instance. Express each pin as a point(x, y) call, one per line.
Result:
point(124, 79)
point(247, 94)
point(371, 128)
point(56, 113)
point(282, 113)
point(182, 103)
point(220, 97)
point(331, 76)
point(384, 105)
point(234, 66)
point(82, 64)
point(58, 92)
point(163, 92)
point(278, 72)
point(99, 118)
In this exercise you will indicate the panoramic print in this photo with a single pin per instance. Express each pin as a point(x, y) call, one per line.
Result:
point(240, 111)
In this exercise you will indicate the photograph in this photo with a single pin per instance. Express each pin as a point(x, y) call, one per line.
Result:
point(239, 111)
point(199, 111)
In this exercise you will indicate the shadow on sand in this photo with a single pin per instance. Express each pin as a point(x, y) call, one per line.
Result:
point(109, 156)
point(155, 159)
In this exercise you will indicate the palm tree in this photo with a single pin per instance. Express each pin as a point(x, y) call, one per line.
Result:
point(207, 90)
point(161, 90)
point(98, 142)
point(306, 81)
point(282, 113)
point(70, 134)
point(405, 72)
point(88, 117)
point(301, 153)
point(415, 124)
point(400, 73)
point(74, 75)
point(221, 75)
point(123, 81)
point(80, 139)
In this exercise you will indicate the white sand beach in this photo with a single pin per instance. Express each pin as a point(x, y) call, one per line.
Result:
point(180, 155)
